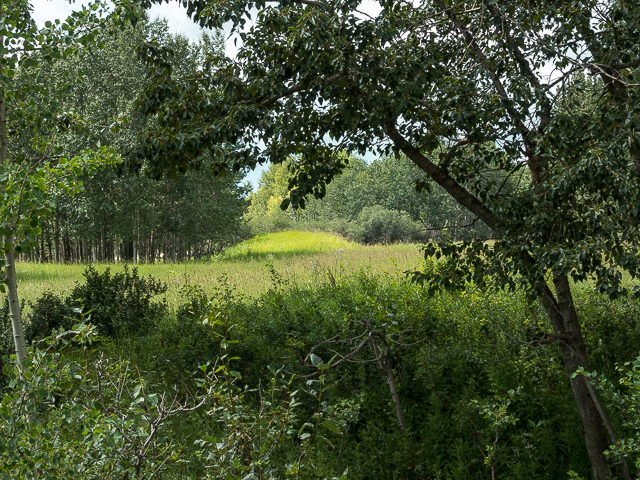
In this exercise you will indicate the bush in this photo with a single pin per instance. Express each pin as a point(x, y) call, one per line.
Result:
point(380, 225)
point(65, 415)
point(279, 222)
point(120, 302)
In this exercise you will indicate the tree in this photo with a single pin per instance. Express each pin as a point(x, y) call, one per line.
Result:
point(388, 184)
point(463, 89)
point(129, 216)
point(32, 169)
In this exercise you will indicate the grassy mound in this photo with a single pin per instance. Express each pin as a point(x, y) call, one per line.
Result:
point(288, 243)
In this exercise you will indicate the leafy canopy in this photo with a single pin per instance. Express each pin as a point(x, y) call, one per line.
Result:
point(543, 96)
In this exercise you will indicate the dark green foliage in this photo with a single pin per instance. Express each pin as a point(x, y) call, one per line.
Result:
point(380, 225)
point(119, 302)
point(478, 394)
point(115, 303)
point(49, 312)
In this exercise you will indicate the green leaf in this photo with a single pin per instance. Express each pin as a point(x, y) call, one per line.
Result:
point(331, 426)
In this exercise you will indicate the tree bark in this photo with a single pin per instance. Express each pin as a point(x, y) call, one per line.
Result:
point(566, 325)
point(14, 304)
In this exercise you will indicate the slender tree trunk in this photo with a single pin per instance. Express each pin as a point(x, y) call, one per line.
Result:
point(152, 248)
point(10, 264)
point(165, 248)
point(56, 237)
point(196, 244)
point(43, 257)
point(101, 254)
point(14, 304)
point(49, 243)
point(174, 247)
point(564, 318)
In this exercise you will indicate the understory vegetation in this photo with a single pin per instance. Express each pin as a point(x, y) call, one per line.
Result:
point(359, 375)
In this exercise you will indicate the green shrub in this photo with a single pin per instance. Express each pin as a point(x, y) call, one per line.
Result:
point(480, 399)
point(118, 303)
point(92, 416)
point(380, 225)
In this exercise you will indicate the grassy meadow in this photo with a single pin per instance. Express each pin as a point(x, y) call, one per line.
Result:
point(462, 362)
point(299, 257)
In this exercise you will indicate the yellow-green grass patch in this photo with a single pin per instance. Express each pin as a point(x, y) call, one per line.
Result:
point(288, 243)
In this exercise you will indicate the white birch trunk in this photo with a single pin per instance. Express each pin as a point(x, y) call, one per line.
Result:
point(14, 305)
point(10, 265)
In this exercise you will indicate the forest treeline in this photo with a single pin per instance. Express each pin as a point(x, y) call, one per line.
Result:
point(378, 202)
point(120, 215)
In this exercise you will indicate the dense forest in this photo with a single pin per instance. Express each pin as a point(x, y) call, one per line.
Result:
point(506, 138)
point(128, 216)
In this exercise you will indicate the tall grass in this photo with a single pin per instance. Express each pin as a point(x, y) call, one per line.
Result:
point(298, 257)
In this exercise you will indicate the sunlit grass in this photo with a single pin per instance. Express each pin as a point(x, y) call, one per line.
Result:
point(284, 244)
point(299, 257)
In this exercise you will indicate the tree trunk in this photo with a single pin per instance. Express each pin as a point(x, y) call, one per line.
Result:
point(10, 264)
point(566, 325)
point(14, 304)
point(43, 257)
point(56, 237)
point(102, 245)
point(196, 244)
point(49, 243)
point(152, 248)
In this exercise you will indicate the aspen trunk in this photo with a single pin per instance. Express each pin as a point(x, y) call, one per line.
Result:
point(14, 305)
point(10, 266)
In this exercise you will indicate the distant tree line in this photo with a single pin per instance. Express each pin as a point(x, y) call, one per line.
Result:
point(125, 216)
point(386, 200)
point(138, 219)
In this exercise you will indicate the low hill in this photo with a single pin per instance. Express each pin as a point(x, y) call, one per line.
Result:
point(288, 243)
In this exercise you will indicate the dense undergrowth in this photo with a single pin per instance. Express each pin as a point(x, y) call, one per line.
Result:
point(364, 376)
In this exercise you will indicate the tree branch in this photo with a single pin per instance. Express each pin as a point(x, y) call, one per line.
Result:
point(441, 177)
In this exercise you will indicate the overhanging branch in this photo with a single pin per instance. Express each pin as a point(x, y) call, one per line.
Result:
point(442, 177)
